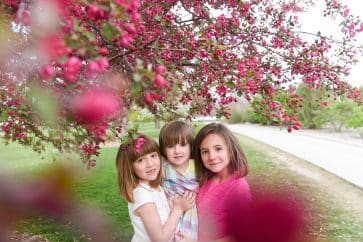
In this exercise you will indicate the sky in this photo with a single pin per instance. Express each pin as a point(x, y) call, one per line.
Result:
point(313, 21)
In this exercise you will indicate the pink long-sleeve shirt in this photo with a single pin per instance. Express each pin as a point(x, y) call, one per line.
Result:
point(214, 205)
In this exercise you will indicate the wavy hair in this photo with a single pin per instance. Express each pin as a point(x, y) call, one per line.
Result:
point(238, 158)
point(126, 157)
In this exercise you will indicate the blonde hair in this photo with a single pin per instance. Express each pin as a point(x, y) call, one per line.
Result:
point(238, 158)
point(176, 132)
point(126, 156)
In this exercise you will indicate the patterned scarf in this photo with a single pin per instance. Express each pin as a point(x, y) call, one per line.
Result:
point(176, 183)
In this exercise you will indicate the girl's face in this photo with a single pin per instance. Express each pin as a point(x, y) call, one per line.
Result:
point(178, 155)
point(147, 167)
point(214, 154)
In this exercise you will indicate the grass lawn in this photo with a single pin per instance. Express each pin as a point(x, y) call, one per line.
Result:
point(99, 188)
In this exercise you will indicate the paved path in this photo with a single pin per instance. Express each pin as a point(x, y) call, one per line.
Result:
point(342, 156)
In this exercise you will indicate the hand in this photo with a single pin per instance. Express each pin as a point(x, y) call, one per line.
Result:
point(180, 237)
point(185, 201)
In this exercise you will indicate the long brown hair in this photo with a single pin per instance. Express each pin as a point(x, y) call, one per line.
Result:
point(238, 158)
point(126, 156)
point(176, 132)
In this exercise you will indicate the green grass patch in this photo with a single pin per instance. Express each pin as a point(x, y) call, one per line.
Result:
point(98, 187)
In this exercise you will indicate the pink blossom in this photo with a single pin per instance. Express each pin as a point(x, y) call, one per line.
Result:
point(222, 90)
point(203, 53)
point(346, 12)
point(245, 7)
point(71, 69)
point(130, 28)
point(139, 143)
point(96, 105)
point(68, 25)
point(160, 81)
point(160, 69)
point(169, 17)
point(103, 64)
point(242, 68)
point(23, 16)
point(135, 17)
point(103, 51)
point(148, 98)
point(94, 12)
point(125, 40)
point(249, 83)
point(47, 71)
point(92, 69)
point(53, 46)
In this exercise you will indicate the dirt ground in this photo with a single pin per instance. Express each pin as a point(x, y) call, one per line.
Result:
point(346, 194)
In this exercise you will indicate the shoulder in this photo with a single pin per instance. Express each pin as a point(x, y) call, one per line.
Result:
point(142, 193)
point(240, 188)
point(191, 165)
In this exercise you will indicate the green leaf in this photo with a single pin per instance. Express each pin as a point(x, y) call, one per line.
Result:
point(3, 116)
point(157, 18)
point(90, 36)
point(147, 73)
point(76, 25)
point(44, 104)
point(137, 77)
point(136, 89)
point(139, 64)
point(230, 84)
point(108, 31)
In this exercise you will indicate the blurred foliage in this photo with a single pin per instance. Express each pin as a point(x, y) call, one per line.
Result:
point(337, 114)
point(239, 115)
point(309, 113)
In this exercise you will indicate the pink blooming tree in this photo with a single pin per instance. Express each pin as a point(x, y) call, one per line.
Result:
point(71, 70)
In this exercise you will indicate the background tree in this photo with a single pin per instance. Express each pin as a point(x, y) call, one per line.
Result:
point(94, 60)
point(337, 114)
point(356, 119)
point(314, 102)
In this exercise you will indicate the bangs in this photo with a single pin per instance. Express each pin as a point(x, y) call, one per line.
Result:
point(176, 133)
point(176, 138)
point(149, 146)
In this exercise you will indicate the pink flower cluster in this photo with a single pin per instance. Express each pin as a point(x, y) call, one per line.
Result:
point(139, 142)
point(96, 67)
point(96, 105)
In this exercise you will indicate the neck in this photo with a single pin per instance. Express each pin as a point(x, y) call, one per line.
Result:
point(181, 168)
point(223, 175)
point(144, 182)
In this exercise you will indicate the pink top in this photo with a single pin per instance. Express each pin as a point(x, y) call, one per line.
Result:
point(213, 204)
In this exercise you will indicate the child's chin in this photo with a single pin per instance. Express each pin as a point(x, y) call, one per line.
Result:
point(179, 163)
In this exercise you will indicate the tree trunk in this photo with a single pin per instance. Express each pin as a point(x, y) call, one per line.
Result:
point(157, 124)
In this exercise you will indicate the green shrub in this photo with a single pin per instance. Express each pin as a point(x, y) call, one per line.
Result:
point(240, 116)
point(337, 114)
point(356, 119)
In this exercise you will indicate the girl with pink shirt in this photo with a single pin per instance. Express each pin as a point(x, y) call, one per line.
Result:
point(221, 167)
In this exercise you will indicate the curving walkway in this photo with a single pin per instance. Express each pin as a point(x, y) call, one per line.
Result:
point(340, 155)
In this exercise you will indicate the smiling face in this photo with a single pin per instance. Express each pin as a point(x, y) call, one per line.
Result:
point(214, 154)
point(147, 167)
point(178, 155)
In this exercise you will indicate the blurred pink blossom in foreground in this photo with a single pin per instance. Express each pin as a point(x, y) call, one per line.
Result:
point(96, 105)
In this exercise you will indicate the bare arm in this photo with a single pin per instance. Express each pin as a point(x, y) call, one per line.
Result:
point(149, 215)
